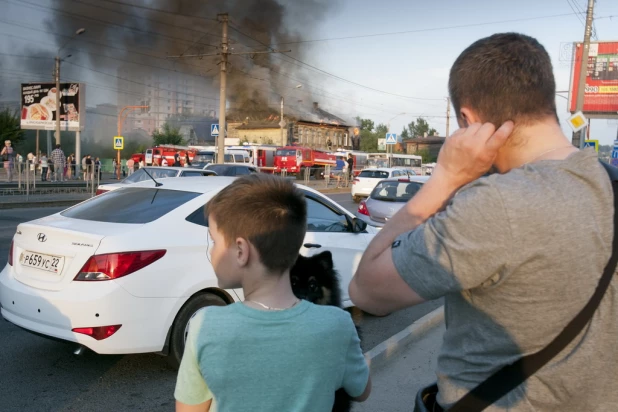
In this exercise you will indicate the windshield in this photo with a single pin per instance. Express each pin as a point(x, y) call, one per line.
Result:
point(395, 191)
point(377, 162)
point(130, 205)
point(286, 153)
point(155, 172)
point(374, 174)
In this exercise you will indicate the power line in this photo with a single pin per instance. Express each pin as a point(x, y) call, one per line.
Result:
point(105, 22)
point(327, 73)
point(158, 10)
point(576, 13)
point(427, 29)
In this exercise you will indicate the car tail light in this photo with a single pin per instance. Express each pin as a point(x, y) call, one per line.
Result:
point(11, 253)
point(100, 191)
point(362, 208)
point(355, 181)
point(116, 265)
point(98, 332)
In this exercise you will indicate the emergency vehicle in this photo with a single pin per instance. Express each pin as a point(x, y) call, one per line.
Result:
point(295, 159)
point(156, 154)
point(261, 156)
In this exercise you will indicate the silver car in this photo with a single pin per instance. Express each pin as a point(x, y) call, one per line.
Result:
point(387, 198)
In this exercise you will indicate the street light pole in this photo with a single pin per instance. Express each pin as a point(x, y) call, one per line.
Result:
point(578, 137)
point(57, 79)
point(223, 18)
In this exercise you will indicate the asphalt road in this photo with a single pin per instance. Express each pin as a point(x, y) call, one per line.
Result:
point(42, 375)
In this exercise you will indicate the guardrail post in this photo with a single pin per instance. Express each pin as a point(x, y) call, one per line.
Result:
point(327, 175)
point(307, 176)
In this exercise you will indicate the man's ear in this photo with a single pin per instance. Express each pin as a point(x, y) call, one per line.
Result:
point(467, 116)
point(243, 250)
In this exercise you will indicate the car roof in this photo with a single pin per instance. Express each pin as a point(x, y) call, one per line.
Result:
point(165, 167)
point(383, 169)
point(231, 164)
point(418, 179)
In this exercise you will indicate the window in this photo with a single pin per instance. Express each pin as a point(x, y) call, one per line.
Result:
point(321, 218)
point(221, 170)
point(193, 173)
point(374, 174)
point(394, 191)
point(281, 152)
point(130, 205)
point(242, 171)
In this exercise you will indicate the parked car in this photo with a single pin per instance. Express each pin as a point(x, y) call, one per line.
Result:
point(125, 271)
point(232, 169)
point(367, 179)
point(387, 198)
point(157, 173)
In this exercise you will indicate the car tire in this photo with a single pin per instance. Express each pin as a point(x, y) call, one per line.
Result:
point(179, 328)
point(356, 199)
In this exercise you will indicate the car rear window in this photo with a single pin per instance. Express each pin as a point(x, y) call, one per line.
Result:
point(221, 170)
point(394, 191)
point(130, 205)
point(374, 174)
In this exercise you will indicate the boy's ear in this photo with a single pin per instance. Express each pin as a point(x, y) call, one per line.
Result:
point(243, 251)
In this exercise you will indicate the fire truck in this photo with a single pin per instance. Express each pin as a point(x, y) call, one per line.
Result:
point(261, 156)
point(295, 159)
point(156, 154)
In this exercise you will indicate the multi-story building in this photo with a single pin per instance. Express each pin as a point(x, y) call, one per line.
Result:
point(167, 93)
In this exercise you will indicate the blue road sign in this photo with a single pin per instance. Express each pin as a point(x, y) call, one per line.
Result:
point(614, 154)
point(591, 143)
point(214, 130)
point(391, 138)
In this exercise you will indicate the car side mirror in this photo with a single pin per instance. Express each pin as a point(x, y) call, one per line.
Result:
point(358, 225)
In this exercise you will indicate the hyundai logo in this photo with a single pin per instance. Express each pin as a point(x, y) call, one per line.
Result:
point(41, 237)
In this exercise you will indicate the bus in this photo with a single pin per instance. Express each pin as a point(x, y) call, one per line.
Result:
point(405, 161)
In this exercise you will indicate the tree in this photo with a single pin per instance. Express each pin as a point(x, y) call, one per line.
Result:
point(365, 124)
point(10, 127)
point(419, 128)
point(169, 135)
point(381, 130)
point(368, 141)
point(404, 133)
point(426, 155)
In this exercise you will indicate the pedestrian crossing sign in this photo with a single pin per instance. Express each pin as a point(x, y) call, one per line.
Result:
point(118, 142)
point(391, 138)
point(214, 130)
point(592, 143)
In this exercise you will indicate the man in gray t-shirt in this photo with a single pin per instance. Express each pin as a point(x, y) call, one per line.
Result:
point(517, 254)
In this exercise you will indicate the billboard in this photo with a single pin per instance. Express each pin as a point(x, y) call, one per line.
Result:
point(38, 106)
point(601, 88)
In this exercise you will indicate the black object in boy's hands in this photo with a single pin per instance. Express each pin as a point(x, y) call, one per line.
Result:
point(315, 279)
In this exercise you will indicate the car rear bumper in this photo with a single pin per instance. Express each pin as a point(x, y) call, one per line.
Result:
point(145, 321)
point(362, 191)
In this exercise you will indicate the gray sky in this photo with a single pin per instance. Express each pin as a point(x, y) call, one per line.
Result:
point(407, 64)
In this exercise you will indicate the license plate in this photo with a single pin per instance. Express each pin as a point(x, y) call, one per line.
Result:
point(43, 262)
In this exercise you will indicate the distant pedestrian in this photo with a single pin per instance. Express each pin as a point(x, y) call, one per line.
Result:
point(141, 163)
point(350, 166)
point(44, 167)
point(338, 171)
point(130, 166)
point(98, 169)
point(164, 162)
point(187, 160)
point(59, 161)
point(177, 160)
point(73, 167)
point(7, 158)
point(84, 167)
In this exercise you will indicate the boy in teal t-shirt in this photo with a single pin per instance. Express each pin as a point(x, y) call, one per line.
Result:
point(272, 352)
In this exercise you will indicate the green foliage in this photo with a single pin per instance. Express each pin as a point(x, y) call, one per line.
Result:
point(365, 124)
point(368, 141)
point(169, 135)
point(419, 128)
point(10, 127)
point(426, 155)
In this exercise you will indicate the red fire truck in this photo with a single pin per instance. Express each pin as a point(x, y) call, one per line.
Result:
point(261, 156)
point(295, 159)
point(155, 155)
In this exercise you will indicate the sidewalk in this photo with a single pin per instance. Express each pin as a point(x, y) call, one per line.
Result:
point(395, 381)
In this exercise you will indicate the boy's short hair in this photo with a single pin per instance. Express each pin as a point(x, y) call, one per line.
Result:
point(507, 76)
point(268, 211)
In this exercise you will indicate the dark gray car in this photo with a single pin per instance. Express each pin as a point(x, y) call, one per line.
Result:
point(387, 198)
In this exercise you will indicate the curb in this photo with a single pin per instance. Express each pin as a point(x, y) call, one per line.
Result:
point(398, 342)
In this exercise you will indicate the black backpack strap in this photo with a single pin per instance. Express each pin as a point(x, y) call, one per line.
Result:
point(511, 376)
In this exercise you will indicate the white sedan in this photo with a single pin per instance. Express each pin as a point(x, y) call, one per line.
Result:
point(125, 271)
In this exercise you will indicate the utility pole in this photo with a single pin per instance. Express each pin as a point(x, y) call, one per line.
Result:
point(224, 53)
point(578, 137)
point(223, 18)
point(281, 123)
point(57, 75)
point(448, 116)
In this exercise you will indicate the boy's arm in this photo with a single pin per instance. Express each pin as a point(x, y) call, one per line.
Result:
point(356, 379)
point(202, 407)
point(192, 393)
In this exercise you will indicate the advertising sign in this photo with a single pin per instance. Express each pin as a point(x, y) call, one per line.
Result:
point(38, 106)
point(601, 88)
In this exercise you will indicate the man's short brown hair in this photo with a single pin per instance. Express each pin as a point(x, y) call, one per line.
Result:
point(268, 211)
point(506, 76)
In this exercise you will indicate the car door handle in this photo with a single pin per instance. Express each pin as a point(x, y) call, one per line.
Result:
point(312, 245)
